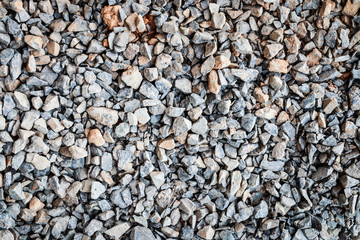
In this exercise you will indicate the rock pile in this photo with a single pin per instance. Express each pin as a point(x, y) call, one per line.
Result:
point(194, 119)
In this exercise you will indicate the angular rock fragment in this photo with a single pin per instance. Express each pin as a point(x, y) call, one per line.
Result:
point(103, 115)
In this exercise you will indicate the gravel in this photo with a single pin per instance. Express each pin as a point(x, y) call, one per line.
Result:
point(179, 119)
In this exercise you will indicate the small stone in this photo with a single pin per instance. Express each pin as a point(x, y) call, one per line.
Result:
point(354, 95)
point(55, 125)
point(103, 115)
point(351, 8)
point(326, 8)
point(235, 182)
point(270, 224)
point(208, 65)
point(214, 84)
point(2, 163)
point(167, 144)
point(93, 227)
point(39, 162)
point(321, 173)
point(97, 189)
point(278, 151)
point(218, 20)
point(202, 37)
point(78, 25)
point(122, 129)
point(278, 65)
point(15, 68)
point(34, 41)
point(21, 100)
point(274, 166)
point(284, 13)
point(106, 162)
point(141, 233)
point(53, 48)
point(348, 181)
point(242, 45)
point(142, 115)
point(151, 74)
point(95, 46)
point(35, 204)
point(206, 232)
point(184, 85)
point(181, 125)
point(51, 103)
point(149, 90)
point(132, 77)
point(158, 178)
point(77, 152)
point(111, 16)
point(200, 126)
point(248, 122)
point(271, 50)
point(16, 192)
point(221, 62)
point(314, 57)
point(292, 44)
point(163, 61)
point(275, 82)
point(31, 64)
point(95, 137)
point(246, 75)
point(267, 113)
point(118, 230)
point(329, 105)
point(261, 210)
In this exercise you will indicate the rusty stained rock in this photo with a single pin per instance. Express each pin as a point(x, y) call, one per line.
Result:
point(111, 16)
